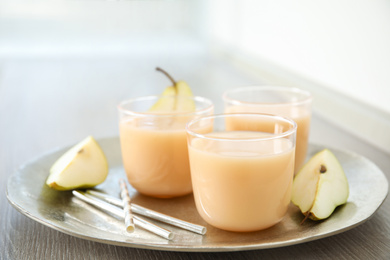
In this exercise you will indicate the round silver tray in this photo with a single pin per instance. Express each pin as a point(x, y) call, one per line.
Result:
point(27, 192)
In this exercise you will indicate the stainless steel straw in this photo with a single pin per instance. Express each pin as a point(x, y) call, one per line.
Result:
point(119, 213)
point(126, 200)
point(151, 213)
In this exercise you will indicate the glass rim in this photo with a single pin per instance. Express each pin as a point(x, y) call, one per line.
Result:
point(126, 111)
point(307, 99)
point(272, 137)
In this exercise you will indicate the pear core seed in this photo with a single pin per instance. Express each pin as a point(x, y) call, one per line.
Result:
point(322, 169)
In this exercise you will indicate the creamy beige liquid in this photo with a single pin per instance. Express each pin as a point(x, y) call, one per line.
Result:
point(155, 157)
point(241, 186)
point(299, 115)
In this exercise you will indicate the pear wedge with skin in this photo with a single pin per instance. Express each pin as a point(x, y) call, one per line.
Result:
point(82, 166)
point(181, 100)
point(165, 103)
point(320, 186)
point(184, 93)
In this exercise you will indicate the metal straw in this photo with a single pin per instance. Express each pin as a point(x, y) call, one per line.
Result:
point(126, 200)
point(119, 213)
point(151, 213)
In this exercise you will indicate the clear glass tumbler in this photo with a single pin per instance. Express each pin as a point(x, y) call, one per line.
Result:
point(242, 179)
point(284, 101)
point(154, 144)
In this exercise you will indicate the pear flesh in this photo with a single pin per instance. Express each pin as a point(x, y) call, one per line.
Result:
point(181, 100)
point(184, 103)
point(82, 166)
point(165, 104)
point(320, 186)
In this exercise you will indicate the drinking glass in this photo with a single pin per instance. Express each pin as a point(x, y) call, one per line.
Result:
point(242, 179)
point(154, 144)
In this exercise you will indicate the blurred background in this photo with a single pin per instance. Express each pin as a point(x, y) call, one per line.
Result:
point(339, 50)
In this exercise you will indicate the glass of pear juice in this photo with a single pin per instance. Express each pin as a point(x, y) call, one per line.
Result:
point(242, 179)
point(284, 101)
point(154, 145)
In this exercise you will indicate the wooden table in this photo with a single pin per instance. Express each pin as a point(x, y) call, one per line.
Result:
point(46, 104)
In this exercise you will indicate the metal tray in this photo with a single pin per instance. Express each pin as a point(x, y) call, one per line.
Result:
point(27, 192)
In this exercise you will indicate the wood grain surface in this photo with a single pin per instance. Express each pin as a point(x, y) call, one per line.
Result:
point(46, 104)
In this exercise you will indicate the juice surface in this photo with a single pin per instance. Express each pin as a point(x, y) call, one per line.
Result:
point(301, 117)
point(155, 157)
point(241, 186)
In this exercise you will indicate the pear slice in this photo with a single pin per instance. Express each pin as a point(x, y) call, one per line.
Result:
point(320, 186)
point(82, 166)
point(181, 90)
point(165, 104)
point(184, 104)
